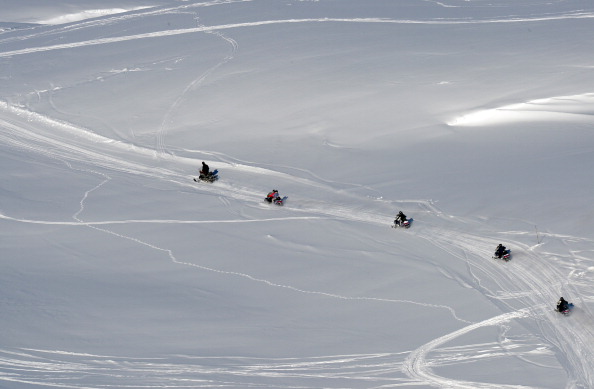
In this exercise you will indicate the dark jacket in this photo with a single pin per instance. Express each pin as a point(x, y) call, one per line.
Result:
point(205, 169)
point(500, 250)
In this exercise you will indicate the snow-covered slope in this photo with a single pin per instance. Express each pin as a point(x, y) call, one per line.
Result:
point(118, 270)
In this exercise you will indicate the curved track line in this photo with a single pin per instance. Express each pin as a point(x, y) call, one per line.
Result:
point(80, 222)
point(416, 366)
point(166, 33)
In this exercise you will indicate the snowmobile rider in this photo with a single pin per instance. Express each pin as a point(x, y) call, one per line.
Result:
point(205, 170)
point(500, 251)
point(562, 305)
point(272, 196)
point(400, 218)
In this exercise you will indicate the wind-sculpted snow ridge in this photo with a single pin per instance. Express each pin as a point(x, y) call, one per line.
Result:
point(576, 108)
point(88, 14)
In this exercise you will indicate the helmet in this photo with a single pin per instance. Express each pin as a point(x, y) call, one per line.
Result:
point(275, 191)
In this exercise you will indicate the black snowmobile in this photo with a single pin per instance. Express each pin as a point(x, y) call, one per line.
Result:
point(210, 177)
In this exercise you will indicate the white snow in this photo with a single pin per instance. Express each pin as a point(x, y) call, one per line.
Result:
point(82, 15)
point(118, 270)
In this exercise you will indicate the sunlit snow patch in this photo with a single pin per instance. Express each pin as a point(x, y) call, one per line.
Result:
point(87, 14)
point(566, 108)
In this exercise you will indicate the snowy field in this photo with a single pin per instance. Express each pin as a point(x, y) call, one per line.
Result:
point(474, 117)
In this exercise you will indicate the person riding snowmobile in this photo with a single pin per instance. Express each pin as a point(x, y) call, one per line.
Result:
point(205, 170)
point(273, 196)
point(400, 218)
point(562, 305)
point(500, 251)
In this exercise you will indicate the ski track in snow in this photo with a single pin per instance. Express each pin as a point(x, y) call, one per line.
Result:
point(528, 281)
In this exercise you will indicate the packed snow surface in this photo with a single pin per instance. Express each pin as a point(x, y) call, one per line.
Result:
point(474, 118)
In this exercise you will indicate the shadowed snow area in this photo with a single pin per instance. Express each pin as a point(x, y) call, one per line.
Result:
point(119, 270)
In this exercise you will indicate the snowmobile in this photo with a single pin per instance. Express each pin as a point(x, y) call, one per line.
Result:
point(506, 255)
point(276, 200)
point(210, 177)
point(564, 309)
point(402, 224)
